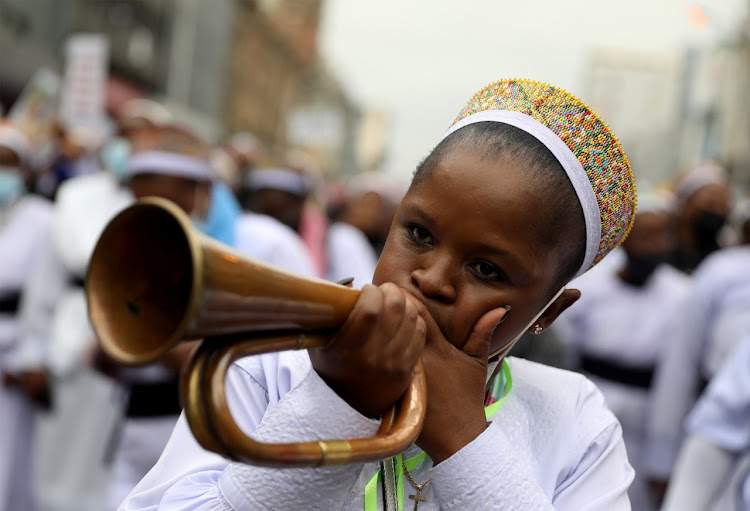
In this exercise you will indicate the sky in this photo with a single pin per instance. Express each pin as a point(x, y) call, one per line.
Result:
point(419, 61)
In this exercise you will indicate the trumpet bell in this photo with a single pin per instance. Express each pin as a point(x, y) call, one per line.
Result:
point(142, 288)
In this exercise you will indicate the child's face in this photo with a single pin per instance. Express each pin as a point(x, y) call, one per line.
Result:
point(465, 240)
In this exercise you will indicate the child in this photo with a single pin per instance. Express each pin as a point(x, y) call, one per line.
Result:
point(527, 190)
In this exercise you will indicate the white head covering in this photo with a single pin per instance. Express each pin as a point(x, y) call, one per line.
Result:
point(14, 139)
point(142, 108)
point(655, 199)
point(697, 178)
point(172, 151)
point(278, 179)
point(377, 182)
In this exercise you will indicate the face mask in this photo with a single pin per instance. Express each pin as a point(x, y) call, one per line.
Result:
point(115, 156)
point(506, 347)
point(11, 184)
point(639, 269)
point(707, 226)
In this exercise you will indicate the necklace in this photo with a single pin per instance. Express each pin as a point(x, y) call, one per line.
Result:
point(418, 497)
point(500, 389)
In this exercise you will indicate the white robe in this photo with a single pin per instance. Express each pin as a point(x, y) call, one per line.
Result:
point(71, 441)
point(629, 326)
point(349, 255)
point(24, 225)
point(552, 445)
point(714, 318)
point(713, 469)
point(267, 239)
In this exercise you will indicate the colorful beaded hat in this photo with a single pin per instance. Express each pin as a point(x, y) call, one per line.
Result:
point(583, 144)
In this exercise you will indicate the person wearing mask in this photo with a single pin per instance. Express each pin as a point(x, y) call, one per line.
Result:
point(621, 327)
point(167, 161)
point(713, 469)
point(136, 114)
point(24, 224)
point(703, 198)
point(716, 315)
point(172, 163)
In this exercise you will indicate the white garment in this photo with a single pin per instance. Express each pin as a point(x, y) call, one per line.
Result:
point(628, 326)
point(349, 255)
point(141, 442)
point(24, 224)
point(712, 466)
point(71, 441)
point(717, 311)
point(552, 445)
point(267, 239)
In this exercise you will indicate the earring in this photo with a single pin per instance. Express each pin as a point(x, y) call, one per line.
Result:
point(537, 330)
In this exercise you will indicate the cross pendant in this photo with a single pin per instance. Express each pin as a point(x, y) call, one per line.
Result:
point(417, 498)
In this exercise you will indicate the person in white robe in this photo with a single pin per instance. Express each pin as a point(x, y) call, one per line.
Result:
point(153, 401)
point(265, 238)
point(713, 468)
point(716, 315)
point(71, 440)
point(24, 225)
point(550, 443)
point(345, 251)
point(703, 199)
point(553, 441)
point(621, 327)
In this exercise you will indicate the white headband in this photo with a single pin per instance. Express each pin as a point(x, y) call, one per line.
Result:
point(567, 159)
point(278, 179)
point(170, 164)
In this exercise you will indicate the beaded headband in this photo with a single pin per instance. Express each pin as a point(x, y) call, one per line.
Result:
point(586, 148)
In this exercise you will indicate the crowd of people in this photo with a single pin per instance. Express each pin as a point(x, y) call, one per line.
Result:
point(661, 326)
point(78, 430)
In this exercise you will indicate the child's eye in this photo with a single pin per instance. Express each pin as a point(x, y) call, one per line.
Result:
point(418, 234)
point(487, 271)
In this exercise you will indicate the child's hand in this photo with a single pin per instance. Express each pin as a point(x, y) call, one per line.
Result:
point(369, 363)
point(456, 383)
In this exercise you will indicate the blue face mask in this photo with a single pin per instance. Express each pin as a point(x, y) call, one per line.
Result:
point(115, 155)
point(11, 184)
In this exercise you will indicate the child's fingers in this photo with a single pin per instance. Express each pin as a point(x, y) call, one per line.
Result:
point(480, 338)
point(365, 313)
point(408, 343)
point(394, 307)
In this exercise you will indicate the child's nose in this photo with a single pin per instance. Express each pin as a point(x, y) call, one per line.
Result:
point(433, 281)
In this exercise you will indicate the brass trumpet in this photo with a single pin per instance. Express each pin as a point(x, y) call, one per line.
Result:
point(154, 281)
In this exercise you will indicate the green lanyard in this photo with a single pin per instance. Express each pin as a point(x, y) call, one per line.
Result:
point(500, 390)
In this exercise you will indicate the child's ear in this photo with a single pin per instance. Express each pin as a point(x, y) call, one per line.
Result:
point(565, 300)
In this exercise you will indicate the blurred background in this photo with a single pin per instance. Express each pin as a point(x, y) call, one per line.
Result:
point(289, 129)
point(365, 85)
